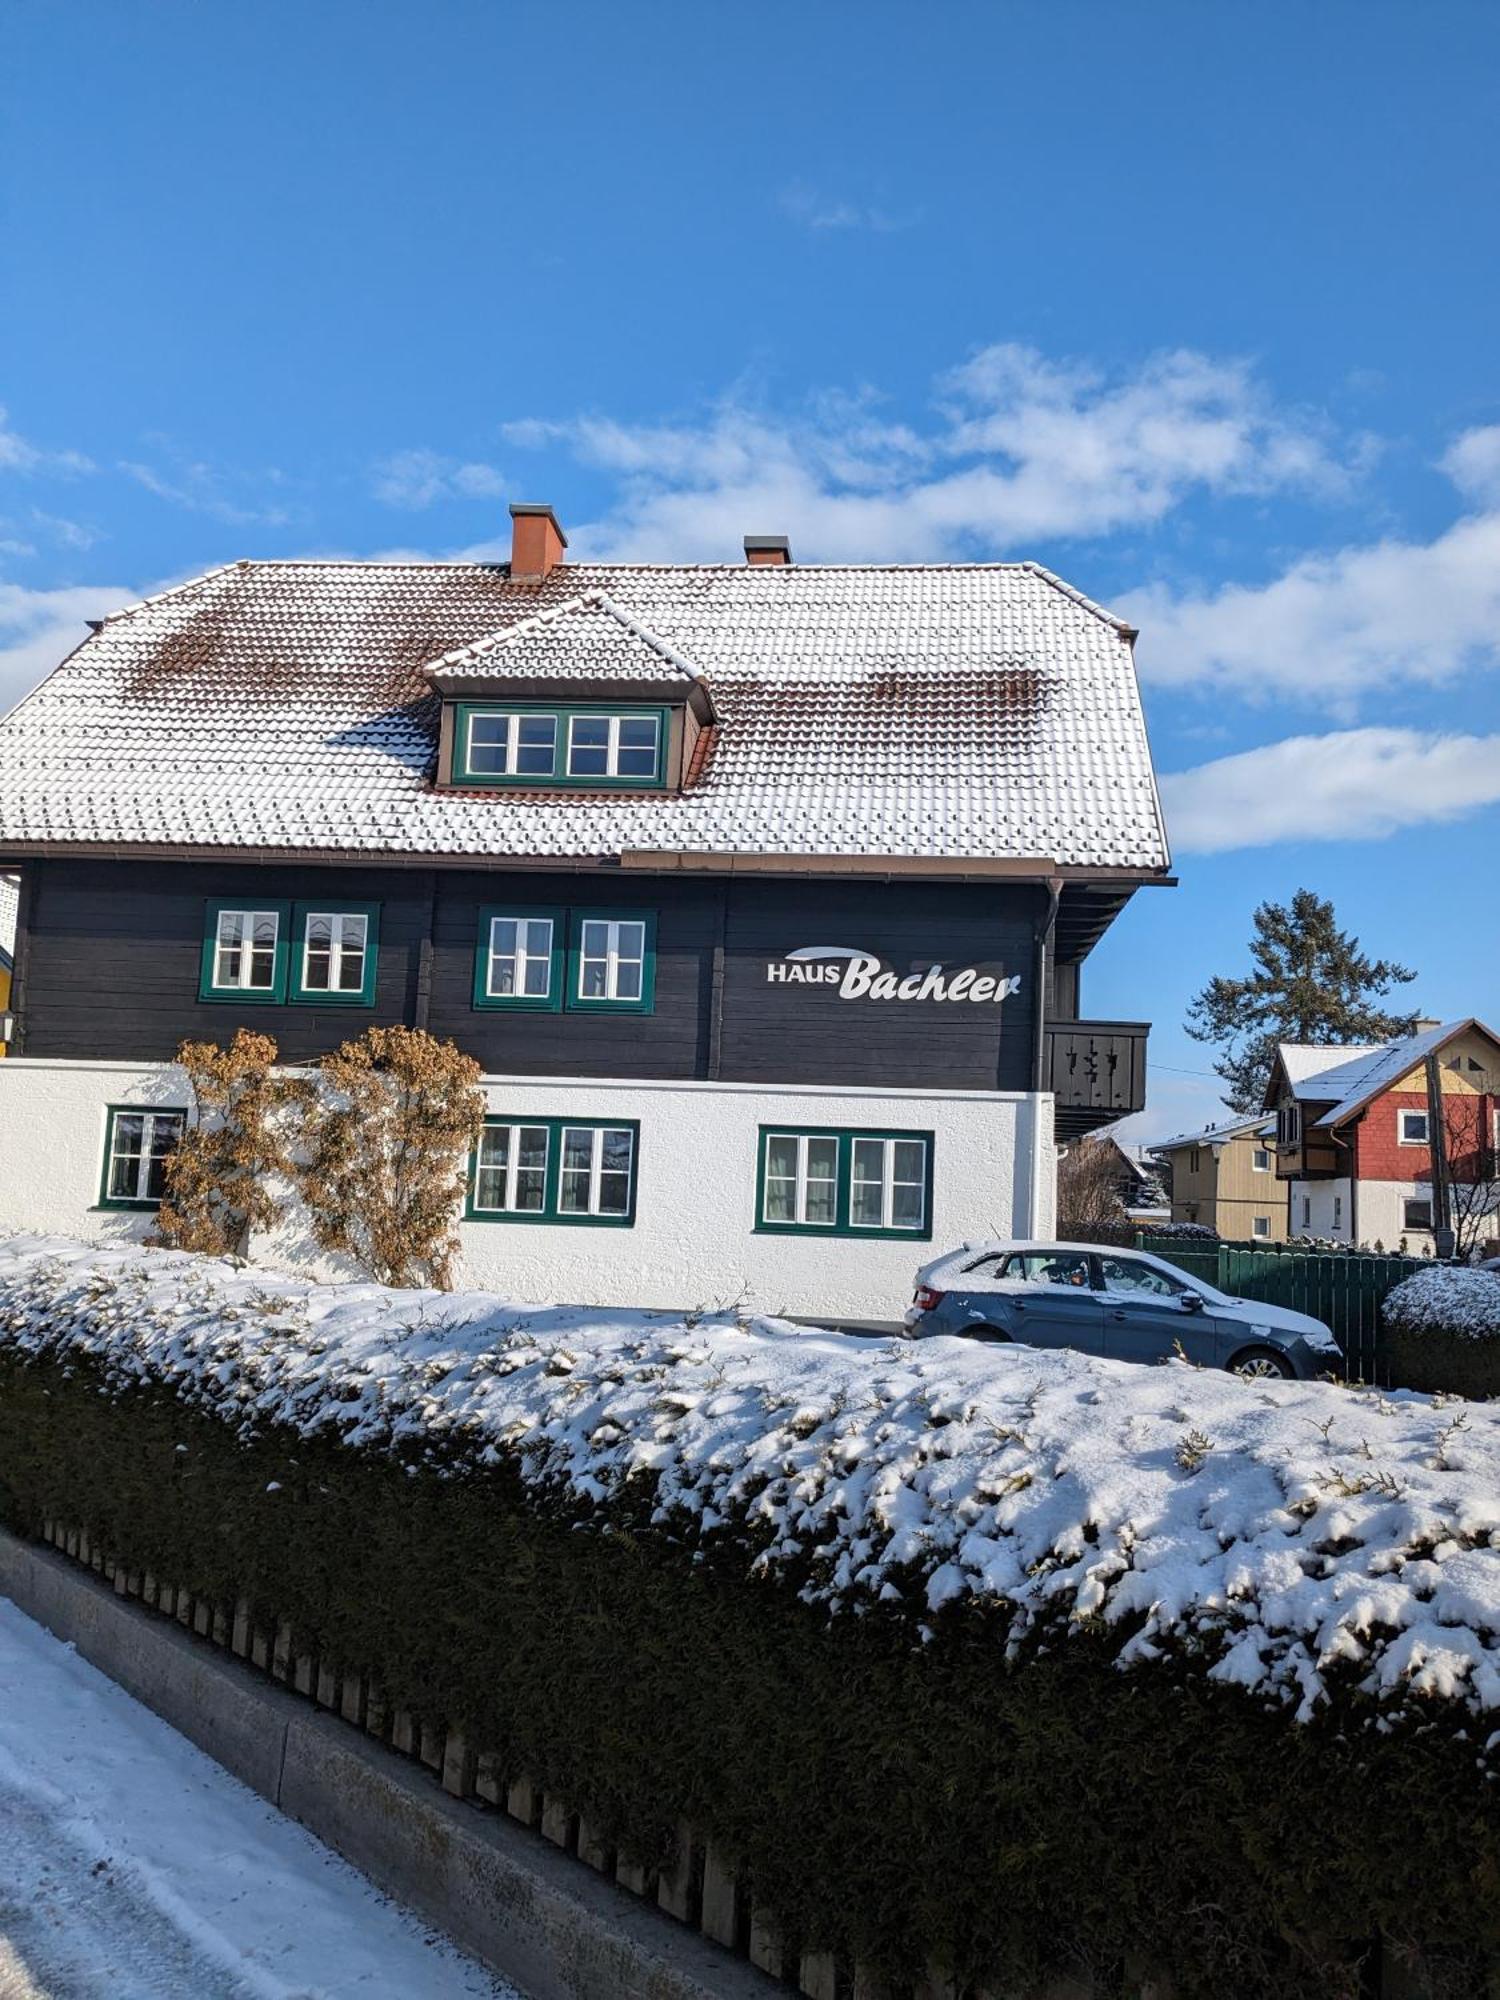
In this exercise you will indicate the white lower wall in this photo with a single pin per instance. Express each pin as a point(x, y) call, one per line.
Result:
point(693, 1241)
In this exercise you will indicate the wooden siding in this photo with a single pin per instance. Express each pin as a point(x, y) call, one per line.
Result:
point(114, 949)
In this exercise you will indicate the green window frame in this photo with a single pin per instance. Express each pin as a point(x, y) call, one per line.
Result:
point(837, 1180)
point(572, 1171)
point(342, 917)
point(527, 953)
point(599, 961)
point(509, 745)
point(236, 948)
point(131, 1176)
point(615, 951)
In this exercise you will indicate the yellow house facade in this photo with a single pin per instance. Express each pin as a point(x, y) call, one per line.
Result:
point(1225, 1178)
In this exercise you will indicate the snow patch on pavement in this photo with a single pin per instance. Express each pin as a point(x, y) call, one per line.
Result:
point(133, 1868)
point(1299, 1536)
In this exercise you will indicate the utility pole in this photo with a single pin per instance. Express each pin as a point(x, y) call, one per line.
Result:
point(1443, 1239)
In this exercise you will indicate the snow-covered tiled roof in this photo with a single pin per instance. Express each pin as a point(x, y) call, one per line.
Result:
point(1358, 1081)
point(953, 712)
point(1218, 1135)
point(586, 638)
point(10, 899)
point(1307, 1066)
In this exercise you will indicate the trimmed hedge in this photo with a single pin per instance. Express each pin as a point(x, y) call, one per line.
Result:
point(1443, 1360)
point(894, 1801)
point(1442, 1331)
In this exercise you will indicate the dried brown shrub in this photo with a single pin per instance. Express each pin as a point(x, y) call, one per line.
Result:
point(384, 1152)
point(217, 1175)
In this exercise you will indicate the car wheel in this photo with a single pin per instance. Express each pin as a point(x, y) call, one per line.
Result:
point(982, 1330)
point(1261, 1364)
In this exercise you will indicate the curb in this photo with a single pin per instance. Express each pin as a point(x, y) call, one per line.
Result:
point(501, 1892)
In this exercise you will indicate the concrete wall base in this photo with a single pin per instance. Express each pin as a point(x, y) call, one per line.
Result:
point(501, 1892)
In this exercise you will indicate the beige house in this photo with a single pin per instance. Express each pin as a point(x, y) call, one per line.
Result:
point(1225, 1177)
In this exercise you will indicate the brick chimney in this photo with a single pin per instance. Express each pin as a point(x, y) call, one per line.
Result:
point(536, 544)
point(767, 551)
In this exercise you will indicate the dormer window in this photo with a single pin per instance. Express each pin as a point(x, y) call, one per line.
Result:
point(589, 747)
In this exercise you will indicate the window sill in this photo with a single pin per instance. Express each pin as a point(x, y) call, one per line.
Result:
point(556, 1221)
point(851, 1233)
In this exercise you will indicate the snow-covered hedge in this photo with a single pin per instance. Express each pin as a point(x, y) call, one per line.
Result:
point(1294, 1536)
point(1181, 1232)
point(1448, 1298)
point(855, 1610)
point(1442, 1330)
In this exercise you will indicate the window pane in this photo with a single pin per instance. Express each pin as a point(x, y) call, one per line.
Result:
point(907, 1203)
point(531, 1167)
point(869, 1159)
point(353, 932)
point(129, 1139)
point(637, 758)
point(781, 1199)
point(821, 1201)
point(503, 941)
point(910, 1163)
point(578, 1147)
point(588, 747)
point(489, 1178)
point(536, 754)
point(866, 1205)
point(536, 943)
point(573, 1191)
point(489, 744)
point(617, 1150)
point(627, 980)
point(227, 958)
point(317, 972)
point(263, 949)
point(781, 1157)
point(165, 1129)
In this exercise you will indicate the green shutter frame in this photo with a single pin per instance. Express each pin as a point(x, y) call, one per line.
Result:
point(275, 996)
point(520, 1003)
point(549, 1211)
point(558, 778)
point(647, 1002)
point(333, 906)
point(843, 1195)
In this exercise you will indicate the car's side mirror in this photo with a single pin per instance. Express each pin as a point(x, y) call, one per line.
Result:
point(1191, 1302)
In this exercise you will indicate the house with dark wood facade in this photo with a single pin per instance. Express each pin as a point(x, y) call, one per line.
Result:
point(762, 892)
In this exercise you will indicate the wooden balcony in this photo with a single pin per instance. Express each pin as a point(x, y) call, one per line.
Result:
point(1096, 1071)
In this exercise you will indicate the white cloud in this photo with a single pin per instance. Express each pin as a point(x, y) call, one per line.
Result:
point(1351, 784)
point(17, 454)
point(1020, 449)
point(200, 487)
point(417, 478)
point(1333, 627)
point(38, 628)
point(1472, 462)
point(818, 211)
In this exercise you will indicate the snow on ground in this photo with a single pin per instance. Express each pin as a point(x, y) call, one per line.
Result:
point(1291, 1528)
point(133, 1868)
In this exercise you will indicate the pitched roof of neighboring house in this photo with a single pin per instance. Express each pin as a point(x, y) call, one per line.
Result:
point(1218, 1135)
point(939, 712)
point(10, 900)
point(1306, 1066)
point(1348, 1079)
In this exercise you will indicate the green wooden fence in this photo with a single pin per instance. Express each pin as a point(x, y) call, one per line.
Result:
point(1343, 1289)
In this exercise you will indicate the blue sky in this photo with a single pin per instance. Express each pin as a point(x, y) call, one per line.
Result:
point(1196, 305)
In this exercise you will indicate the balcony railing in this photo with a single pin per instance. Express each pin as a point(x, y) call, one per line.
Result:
point(1096, 1071)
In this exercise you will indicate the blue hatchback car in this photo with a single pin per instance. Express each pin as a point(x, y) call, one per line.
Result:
point(1124, 1304)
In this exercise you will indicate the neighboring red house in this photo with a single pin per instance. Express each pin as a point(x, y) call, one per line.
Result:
point(1353, 1138)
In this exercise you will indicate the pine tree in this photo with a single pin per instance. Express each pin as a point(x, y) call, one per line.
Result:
point(1311, 983)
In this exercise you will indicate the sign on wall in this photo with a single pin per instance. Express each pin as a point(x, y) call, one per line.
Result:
point(861, 975)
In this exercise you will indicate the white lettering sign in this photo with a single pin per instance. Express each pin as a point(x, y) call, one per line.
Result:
point(859, 975)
